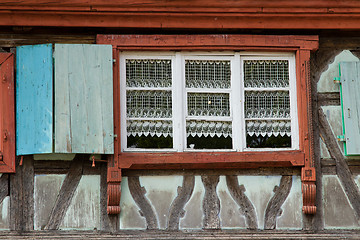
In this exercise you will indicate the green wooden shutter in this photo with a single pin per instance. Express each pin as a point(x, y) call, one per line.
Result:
point(350, 103)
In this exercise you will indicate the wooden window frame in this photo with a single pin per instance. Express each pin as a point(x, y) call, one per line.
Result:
point(301, 46)
point(7, 113)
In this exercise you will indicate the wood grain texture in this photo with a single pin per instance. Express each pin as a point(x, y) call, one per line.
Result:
point(198, 14)
point(7, 112)
point(350, 84)
point(146, 210)
point(4, 187)
point(246, 207)
point(22, 197)
point(83, 99)
point(329, 99)
point(211, 203)
point(177, 206)
point(172, 235)
point(273, 209)
point(65, 195)
point(34, 108)
point(343, 172)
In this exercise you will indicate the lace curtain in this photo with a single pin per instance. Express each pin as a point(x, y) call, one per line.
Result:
point(267, 98)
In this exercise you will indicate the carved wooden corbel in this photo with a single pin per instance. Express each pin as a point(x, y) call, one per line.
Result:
point(308, 174)
point(114, 187)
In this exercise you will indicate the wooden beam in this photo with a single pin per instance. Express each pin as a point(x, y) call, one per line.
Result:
point(4, 187)
point(65, 195)
point(342, 169)
point(22, 196)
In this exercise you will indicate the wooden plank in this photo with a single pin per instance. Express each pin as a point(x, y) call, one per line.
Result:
point(65, 195)
point(200, 234)
point(22, 197)
point(4, 187)
point(34, 99)
point(329, 99)
point(350, 85)
point(7, 112)
point(83, 93)
point(342, 169)
point(163, 20)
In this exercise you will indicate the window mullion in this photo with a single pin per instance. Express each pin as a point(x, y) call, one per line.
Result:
point(178, 94)
point(236, 103)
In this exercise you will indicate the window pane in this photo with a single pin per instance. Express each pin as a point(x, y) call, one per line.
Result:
point(268, 142)
point(208, 104)
point(161, 132)
point(149, 142)
point(266, 73)
point(209, 142)
point(207, 74)
point(148, 104)
point(148, 73)
point(274, 104)
point(209, 134)
point(267, 107)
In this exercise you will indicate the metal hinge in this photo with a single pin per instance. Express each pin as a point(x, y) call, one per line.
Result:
point(341, 138)
point(337, 80)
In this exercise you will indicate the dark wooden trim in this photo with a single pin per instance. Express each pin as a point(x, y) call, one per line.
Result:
point(246, 207)
point(329, 99)
point(4, 187)
point(177, 210)
point(273, 209)
point(211, 203)
point(65, 195)
point(146, 210)
point(210, 235)
point(22, 197)
point(342, 169)
point(62, 167)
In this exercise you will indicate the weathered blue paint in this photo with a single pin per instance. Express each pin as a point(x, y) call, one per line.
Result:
point(350, 87)
point(83, 99)
point(34, 104)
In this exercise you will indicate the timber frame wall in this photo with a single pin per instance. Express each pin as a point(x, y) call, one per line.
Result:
point(214, 16)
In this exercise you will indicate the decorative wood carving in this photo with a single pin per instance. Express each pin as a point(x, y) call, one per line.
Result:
point(301, 45)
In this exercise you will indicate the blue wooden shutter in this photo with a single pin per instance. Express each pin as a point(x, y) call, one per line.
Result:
point(82, 118)
point(34, 106)
point(350, 95)
point(83, 99)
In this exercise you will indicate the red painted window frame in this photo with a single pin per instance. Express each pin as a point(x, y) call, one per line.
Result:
point(300, 45)
point(7, 113)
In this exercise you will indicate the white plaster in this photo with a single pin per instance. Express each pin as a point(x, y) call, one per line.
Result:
point(161, 192)
point(259, 189)
point(130, 217)
point(326, 82)
point(291, 217)
point(193, 218)
point(338, 212)
point(46, 190)
point(84, 210)
point(324, 153)
point(230, 214)
point(4, 217)
point(333, 115)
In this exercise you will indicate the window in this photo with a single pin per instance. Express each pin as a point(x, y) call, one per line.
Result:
point(213, 101)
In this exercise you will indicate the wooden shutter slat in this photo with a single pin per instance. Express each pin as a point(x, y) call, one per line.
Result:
point(350, 87)
point(34, 108)
point(83, 99)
